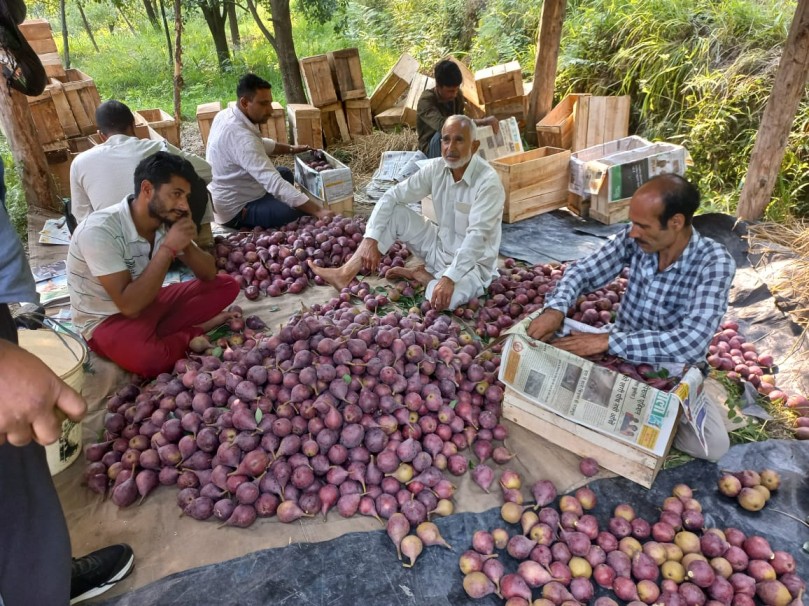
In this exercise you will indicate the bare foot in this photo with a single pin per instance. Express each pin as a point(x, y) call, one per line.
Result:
point(338, 277)
point(416, 274)
point(218, 320)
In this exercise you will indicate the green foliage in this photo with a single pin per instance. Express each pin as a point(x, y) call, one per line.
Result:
point(15, 200)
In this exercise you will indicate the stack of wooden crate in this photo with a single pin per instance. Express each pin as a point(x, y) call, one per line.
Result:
point(39, 35)
point(387, 100)
point(500, 91)
point(274, 128)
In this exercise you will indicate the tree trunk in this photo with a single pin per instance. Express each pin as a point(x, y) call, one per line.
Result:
point(128, 24)
point(773, 132)
point(64, 33)
point(215, 18)
point(549, 37)
point(18, 125)
point(285, 49)
point(166, 29)
point(87, 27)
point(150, 13)
point(472, 10)
point(261, 26)
point(233, 22)
point(178, 61)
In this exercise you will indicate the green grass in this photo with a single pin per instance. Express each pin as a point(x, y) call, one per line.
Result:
point(15, 200)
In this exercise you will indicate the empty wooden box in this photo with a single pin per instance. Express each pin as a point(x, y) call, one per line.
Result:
point(419, 84)
point(333, 123)
point(358, 117)
point(499, 82)
point(394, 84)
point(162, 123)
point(390, 119)
point(206, 112)
point(304, 124)
point(347, 73)
point(318, 80)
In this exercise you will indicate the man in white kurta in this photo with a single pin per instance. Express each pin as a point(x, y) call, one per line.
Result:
point(460, 251)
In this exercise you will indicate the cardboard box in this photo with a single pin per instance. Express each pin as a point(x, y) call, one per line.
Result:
point(610, 173)
point(328, 186)
point(535, 182)
point(394, 85)
point(626, 425)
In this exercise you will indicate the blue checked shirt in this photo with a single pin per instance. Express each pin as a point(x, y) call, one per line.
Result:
point(665, 317)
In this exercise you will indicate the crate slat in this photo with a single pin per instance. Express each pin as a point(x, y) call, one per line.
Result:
point(358, 116)
point(390, 119)
point(346, 70)
point(419, 84)
point(394, 85)
point(318, 80)
point(163, 123)
point(206, 112)
point(305, 125)
point(499, 82)
point(334, 124)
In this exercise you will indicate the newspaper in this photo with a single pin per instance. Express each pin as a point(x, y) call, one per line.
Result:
point(394, 167)
point(601, 399)
point(507, 141)
point(55, 232)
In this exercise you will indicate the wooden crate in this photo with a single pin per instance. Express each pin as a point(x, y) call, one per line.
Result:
point(59, 164)
point(556, 128)
point(82, 96)
point(206, 112)
point(499, 82)
point(334, 125)
point(419, 84)
point(624, 459)
point(275, 127)
point(599, 119)
point(507, 108)
point(305, 126)
point(39, 35)
point(474, 108)
point(50, 132)
point(318, 81)
point(63, 109)
point(346, 71)
point(340, 206)
point(358, 116)
point(390, 90)
point(535, 181)
point(609, 213)
point(163, 123)
point(390, 119)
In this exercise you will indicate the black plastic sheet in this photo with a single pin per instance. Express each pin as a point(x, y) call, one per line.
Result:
point(361, 569)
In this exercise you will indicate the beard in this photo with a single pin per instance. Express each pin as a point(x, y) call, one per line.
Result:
point(458, 163)
point(158, 211)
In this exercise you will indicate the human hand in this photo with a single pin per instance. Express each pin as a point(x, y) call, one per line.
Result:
point(442, 294)
point(180, 234)
point(545, 325)
point(584, 344)
point(368, 252)
point(324, 213)
point(495, 124)
point(297, 149)
point(35, 400)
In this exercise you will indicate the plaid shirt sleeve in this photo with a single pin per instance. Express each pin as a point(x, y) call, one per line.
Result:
point(590, 273)
point(687, 343)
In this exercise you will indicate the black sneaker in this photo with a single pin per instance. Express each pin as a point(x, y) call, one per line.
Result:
point(97, 572)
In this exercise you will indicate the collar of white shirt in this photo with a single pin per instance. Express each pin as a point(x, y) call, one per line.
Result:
point(240, 116)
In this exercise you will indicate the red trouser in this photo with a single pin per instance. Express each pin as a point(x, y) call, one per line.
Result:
point(152, 342)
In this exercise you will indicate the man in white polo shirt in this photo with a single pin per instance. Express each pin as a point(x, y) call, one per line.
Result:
point(102, 176)
point(117, 262)
point(247, 189)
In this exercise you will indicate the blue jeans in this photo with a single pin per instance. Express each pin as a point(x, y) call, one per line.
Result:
point(434, 148)
point(267, 211)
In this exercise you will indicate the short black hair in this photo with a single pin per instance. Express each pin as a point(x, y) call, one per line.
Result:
point(679, 196)
point(114, 117)
point(249, 85)
point(159, 168)
point(447, 73)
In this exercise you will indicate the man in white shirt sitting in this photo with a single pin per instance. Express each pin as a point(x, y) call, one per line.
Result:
point(117, 263)
point(102, 176)
point(247, 189)
point(460, 253)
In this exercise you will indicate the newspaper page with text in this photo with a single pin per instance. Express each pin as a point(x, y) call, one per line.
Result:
point(596, 397)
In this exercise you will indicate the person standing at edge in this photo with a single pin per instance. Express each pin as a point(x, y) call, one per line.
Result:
point(247, 189)
point(439, 103)
point(117, 262)
point(460, 253)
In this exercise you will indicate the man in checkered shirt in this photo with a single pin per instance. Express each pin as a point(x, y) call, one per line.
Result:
point(677, 293)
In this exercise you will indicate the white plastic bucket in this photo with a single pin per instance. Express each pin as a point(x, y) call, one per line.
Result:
point(65, 354)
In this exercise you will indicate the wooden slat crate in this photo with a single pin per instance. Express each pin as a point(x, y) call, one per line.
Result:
point(419, 84)
point(346, 70)
point(556, 128)
point(358, 116)
point(275, 127)
point(52, 63)
point(206, 112)
point(83, 98)
point(334, 125)
point(318, 81)
point(304, 124)
point(341, 206)
point(66, 117)
point(163, 123)
point(39, 35)
point(499, 82)
point(390, 90)
point(474, 108)
point(390, 119)
point(599, 119)
point(535, 181)
point(625, 460)
point(609, 213)
point(49, 128)
point(506, 108)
